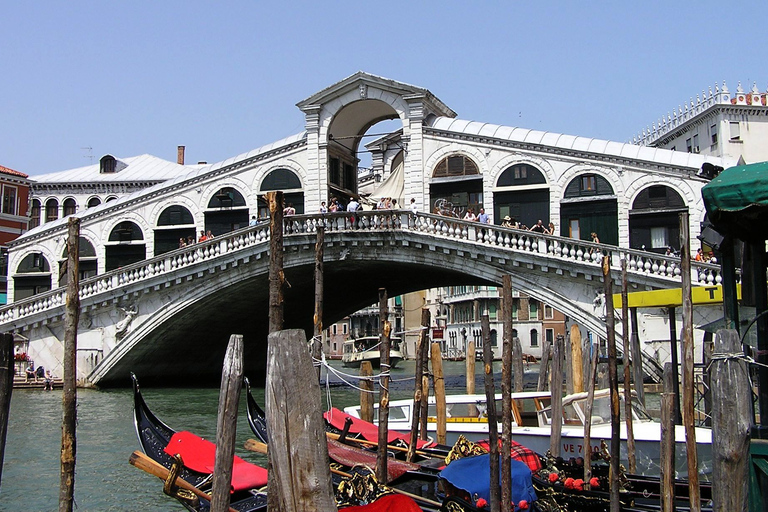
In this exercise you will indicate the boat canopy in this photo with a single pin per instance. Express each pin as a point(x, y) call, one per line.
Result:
point(737, 202)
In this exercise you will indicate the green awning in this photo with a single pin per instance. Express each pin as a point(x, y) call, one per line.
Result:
point(737, 201)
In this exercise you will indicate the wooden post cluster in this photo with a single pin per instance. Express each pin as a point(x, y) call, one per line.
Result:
point(688, 382)
point(381, 456)
point(546, 355)
point(69, 397)
point(490, 404)
point(416, 413)
point(226, 425)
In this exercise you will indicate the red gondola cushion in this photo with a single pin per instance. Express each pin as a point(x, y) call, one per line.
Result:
point(200, 455)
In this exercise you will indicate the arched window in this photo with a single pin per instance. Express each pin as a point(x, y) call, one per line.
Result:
point(287, 181)
point(94, 201)
point(657, 197)
point(590, 206)
point(34, 214)
point(522, 194)
point(654, 219)
point(87, 262)
point(126, 246)
point(280, 179)
point(226, 197)
point(110, 199)
point(174, 223)
point(227, 211)
point(520, 174)
point(70, 207)
point(534, 338)
point(588, 185)
point(175, 215)
point(125, 232)
point(33, 263)
point(456, 165)
point(33, 276)
point(51, 210)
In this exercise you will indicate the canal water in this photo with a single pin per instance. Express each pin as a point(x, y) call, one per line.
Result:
point(106, 437)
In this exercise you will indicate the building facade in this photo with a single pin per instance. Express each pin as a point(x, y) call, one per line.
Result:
point(717, 123)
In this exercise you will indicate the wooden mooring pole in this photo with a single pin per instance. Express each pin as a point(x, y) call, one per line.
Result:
point(507, 354)
point(300, 477)
point(490, 404)
point(416, 412)
point(317, 338)
point(69, 396)
point(386, 328)
point(438, 382)
point(226, 424)
point(577, 360)
point(6, 389)
point(546, 355)
point(469, 362)
point(627, 369)
point(613, 380)
point(689, 384)
point(366, 391)
point(592, 376)
point(276, 257)
point(667, 448)
point(556, 393)
point(731, 423)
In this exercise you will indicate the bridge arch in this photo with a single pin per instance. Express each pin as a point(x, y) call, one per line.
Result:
point(399, 264)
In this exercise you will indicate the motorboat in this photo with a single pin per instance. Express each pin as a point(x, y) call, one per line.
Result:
point(531, 426)
point(367, 349)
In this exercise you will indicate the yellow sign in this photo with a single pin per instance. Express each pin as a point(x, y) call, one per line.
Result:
point(673, 297)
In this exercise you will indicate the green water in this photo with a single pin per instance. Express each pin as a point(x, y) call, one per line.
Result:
point(104, 480)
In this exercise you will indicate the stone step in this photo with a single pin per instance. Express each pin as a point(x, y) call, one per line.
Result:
point(20, 382)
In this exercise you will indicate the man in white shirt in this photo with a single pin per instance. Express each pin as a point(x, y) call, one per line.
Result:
point(353, 205)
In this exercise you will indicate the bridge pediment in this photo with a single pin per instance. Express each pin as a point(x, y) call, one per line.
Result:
point(364, 84)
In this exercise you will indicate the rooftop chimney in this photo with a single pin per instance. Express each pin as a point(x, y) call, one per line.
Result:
point(180, 156)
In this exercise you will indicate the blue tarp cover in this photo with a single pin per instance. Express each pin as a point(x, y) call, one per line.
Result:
point(472, 474)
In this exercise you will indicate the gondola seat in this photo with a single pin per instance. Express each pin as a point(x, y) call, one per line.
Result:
point(199, 455)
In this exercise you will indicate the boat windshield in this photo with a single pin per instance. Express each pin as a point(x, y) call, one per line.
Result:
point(601, 410)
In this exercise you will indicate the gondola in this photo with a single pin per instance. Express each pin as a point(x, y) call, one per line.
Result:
point(154, 436)
point(640, 493)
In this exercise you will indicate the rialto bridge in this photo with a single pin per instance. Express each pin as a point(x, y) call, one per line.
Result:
point(165, 311)
point(170, 317)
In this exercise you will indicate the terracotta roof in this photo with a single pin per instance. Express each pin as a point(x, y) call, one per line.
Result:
point(6, 170)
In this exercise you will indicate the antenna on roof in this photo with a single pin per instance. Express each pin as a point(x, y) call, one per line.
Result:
point(89, 156)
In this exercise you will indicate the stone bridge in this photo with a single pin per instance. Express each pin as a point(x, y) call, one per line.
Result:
point(170, 317)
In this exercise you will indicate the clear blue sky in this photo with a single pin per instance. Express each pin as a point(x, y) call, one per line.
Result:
point(222, 78)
